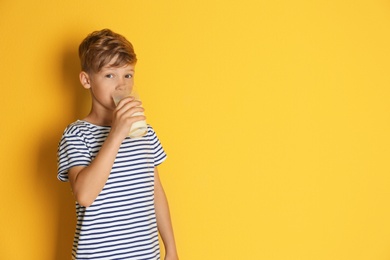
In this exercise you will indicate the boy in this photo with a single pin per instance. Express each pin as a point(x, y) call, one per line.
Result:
point(120, 203)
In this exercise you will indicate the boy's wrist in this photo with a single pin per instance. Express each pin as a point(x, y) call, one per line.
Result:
point(171, 256)
point(171, 253)
point(115, 138)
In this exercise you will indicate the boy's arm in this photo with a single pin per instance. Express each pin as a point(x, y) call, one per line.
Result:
point(164, 223)
point(88, 181)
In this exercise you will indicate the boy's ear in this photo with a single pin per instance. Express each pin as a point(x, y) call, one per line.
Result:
point(85, 80)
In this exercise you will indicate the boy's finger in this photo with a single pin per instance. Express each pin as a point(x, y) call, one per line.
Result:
point(129, 111)
point(127, 104)
point(134, 110)
point(124, 100)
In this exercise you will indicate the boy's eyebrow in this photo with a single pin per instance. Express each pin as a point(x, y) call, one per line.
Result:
point(113, 68)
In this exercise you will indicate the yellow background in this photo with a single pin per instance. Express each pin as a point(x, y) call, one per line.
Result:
point(274, 115)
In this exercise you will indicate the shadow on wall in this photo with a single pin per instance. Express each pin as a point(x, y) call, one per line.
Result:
point(59, 193)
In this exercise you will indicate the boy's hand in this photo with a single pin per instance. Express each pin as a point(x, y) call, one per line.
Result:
point(171, 257)
point(123, 117)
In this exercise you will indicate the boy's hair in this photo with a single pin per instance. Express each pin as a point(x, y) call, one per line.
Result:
point(99, 48)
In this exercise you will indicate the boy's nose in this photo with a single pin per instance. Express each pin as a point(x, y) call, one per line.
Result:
point(122, 84)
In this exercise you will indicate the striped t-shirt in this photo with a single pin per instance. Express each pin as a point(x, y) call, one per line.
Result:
point(121, 222)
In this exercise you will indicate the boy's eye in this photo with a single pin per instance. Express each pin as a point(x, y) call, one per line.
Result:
point(128, 76)
point(110, 76)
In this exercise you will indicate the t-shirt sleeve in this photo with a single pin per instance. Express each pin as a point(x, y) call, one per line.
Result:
point(72, 151)
point(159, 154)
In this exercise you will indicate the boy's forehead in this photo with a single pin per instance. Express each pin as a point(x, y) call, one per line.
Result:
point(112, 65)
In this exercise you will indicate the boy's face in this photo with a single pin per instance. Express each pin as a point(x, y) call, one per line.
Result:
point(103, 83)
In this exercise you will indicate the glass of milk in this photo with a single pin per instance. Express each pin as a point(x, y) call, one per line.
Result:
point(139, 128)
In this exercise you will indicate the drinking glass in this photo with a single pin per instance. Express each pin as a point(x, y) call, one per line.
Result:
point(138, 128)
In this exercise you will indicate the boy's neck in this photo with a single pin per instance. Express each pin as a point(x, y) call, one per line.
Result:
point(103, 118)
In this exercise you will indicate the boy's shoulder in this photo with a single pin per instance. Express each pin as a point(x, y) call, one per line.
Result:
point(81, 127)
point(74, 127)
point(85, 129)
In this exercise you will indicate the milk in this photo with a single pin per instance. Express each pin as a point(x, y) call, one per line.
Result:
point(138, 128)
